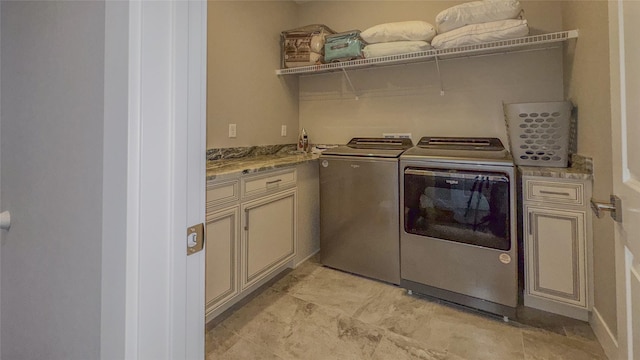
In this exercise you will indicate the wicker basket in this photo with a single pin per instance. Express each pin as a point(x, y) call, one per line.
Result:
point(539, 133)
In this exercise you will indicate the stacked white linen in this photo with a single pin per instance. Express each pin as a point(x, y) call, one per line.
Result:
point(477, 12)
point(479, 21)
point(478, 33)
point(395, 47)
point(397, 38)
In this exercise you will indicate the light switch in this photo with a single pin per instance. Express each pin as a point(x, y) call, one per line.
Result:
point(232, 130)
point(283, 130)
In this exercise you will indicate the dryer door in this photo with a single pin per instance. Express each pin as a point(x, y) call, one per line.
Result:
point(462, 206)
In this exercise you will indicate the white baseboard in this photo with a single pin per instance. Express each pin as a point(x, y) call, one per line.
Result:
point(604, 334)
point(306, 258)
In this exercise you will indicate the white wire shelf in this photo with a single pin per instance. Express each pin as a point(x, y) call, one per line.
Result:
point(502, 46)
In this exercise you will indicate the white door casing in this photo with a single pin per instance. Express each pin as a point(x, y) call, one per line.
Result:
point(625, 118)
point(166, 179)
point(195, 95)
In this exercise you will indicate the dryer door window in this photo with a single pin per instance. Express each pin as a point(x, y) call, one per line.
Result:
point(461, 206)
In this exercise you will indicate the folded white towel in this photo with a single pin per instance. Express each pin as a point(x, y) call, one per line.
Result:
point(399, 31)
point(394, 47)
point(477, 12)
point(478, 33)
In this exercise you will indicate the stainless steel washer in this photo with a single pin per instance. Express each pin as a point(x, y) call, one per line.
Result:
point(459, 236)
point(359, 197)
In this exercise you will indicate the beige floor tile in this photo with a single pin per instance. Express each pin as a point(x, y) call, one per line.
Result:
point(397, 347)
point(318, 313)
point(544, 345)
point(297, 277)
point(400, 313)
point(485, 344)
point(220, 339)
point(295, 329)
point(338, 290)
point(461, 331)
point(244, 350)
point(267, 319)
point(580, 331)
point(320, 337)
point(547, 321)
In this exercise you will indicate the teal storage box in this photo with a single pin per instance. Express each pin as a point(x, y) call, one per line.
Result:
point(344, 46)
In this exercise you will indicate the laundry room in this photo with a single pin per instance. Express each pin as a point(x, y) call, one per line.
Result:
point(320, 179)
point(299, 225)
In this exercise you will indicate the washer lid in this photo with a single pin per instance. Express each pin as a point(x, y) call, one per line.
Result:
point(460, 149)
point(461, 143)
point(371, 147)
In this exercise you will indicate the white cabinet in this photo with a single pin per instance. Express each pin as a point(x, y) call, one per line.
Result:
point(268, 237)
point(250, 234)
point(557, 244)
point(221, 281)
point(222, 193)
point(556, 250)
point(268, 183)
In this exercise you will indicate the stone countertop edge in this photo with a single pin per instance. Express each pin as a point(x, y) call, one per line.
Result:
point(232, 168)
point(581, 169)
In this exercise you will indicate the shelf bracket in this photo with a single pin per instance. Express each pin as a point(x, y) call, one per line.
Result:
point(439, 76)
point(346, 75)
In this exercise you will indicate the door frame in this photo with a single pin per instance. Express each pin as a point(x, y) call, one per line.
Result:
point(625, 183)
point(159, 308)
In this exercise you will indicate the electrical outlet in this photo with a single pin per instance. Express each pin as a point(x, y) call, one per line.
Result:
point(283, 130)
point(232, 130)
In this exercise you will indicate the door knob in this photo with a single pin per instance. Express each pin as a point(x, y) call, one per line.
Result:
point(5, 220)
point(614, 206)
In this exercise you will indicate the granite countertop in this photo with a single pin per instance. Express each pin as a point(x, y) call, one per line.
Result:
point(581, 169)
point(231, 167)
point(233, 162)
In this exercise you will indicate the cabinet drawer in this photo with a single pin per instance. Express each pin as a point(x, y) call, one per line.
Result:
point(268, 183)
point(554, 192)
point(221, 193)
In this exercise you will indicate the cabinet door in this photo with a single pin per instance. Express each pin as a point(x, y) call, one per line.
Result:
point(556, 255)
point(221, 281)
point(268, 239)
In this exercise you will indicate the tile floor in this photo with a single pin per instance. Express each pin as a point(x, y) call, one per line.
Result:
point(315, 312)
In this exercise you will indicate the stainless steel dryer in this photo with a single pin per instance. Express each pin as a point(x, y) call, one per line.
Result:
point(359, 197)
point(459, 229)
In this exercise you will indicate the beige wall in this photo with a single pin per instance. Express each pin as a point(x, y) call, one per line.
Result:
point(544, 16)
point(243, 40)
point(242, 87)
point(587, 85)
point(407, 98)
